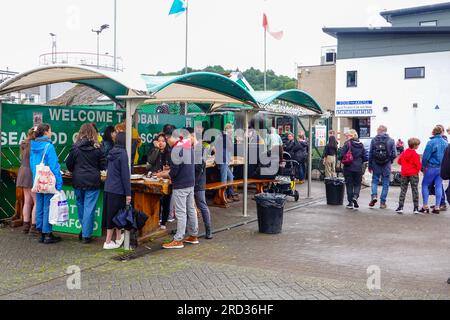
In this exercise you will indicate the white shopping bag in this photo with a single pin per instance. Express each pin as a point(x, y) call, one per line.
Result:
point(59, 209)
point(44, 181)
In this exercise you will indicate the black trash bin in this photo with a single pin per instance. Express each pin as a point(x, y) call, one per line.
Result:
point(270, 209)
point(335, 190)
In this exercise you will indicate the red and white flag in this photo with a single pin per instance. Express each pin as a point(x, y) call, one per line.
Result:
point(277, 35)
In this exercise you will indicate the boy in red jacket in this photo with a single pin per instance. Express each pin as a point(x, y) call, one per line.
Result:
point(411, 166)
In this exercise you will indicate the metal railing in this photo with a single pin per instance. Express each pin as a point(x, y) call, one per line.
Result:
point(105, 61)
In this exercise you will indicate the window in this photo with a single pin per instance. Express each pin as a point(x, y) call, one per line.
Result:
point(352, 79)
point(432, 23)
point(415, 73)
point(330, 57)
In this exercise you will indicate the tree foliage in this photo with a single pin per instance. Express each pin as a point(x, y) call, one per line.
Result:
point(254, 76)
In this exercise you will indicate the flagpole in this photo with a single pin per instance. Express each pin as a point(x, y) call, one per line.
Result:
point(187, 37)
point(265, 59)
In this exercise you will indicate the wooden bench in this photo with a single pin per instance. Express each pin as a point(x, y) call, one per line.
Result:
point(220, 199)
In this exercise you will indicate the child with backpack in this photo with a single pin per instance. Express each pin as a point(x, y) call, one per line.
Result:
point(411, 165)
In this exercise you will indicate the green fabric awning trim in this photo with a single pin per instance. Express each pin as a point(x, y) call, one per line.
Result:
point(295, 97)
point(205, 80)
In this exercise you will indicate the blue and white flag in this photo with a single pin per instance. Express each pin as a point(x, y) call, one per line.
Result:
point(178, 7)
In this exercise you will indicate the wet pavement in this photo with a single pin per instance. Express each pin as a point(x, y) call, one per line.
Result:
point(324, 252)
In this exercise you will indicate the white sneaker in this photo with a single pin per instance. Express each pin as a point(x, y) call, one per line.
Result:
point(111, 246)
point(163, 227)
point(121, 241)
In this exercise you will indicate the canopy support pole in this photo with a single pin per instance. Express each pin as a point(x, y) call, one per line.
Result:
point(131, 104)
point(310, 128)
point(245, 202)
point(1, 112)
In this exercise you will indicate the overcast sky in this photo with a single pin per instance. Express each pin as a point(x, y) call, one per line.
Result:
point(225, 32)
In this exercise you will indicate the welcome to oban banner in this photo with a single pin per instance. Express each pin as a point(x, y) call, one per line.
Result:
point(66, 122)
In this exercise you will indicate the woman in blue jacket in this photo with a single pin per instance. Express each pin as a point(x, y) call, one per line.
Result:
point(38, 147)
point(431, 166)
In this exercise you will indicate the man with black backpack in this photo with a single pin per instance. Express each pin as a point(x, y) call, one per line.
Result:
point(382, 154)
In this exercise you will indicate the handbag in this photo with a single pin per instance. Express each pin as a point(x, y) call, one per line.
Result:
point(45, 181)
point(347, 159)
point(59, 209)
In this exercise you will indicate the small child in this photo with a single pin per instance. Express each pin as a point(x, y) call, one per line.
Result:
point(411, 166)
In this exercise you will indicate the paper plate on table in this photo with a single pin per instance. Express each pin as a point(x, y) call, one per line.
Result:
point(137, 177)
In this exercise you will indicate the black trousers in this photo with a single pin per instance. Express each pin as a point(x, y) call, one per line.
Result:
point(165, 209)
point(353, 183)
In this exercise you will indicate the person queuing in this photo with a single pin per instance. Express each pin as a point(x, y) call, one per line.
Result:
point(443, 206)
point(410, 162)
point(400, 146)
point(25, 181)
point(275, 144)
point(158, 160)
point(382, 154)
point(329, 156)
point(108, 140)
point(117, 191)
point(295, 150)
point(431, 164)
point(353, 168)
point(43, 149)
point(86, 160)
point(182, 174)
point(303, 155)
point(226, 145)
point(200, 180)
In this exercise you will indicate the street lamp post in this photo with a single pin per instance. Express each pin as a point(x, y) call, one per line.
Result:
point(53, 47)
point(98, 32)
point(115, 35)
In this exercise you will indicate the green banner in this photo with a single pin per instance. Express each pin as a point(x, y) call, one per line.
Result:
point(7, 197)
point(66, 122)
point(73, 226)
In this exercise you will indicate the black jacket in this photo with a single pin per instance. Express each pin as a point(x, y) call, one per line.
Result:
point(360, 156)
point(118, 180)
point(330, 150)
point(445, 165)
point(156, 160)
point(297, 150)
point(200, 170)
point(85, 162)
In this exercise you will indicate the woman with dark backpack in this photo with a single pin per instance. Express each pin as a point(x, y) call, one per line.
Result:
point(86, 160)
point(353, 157)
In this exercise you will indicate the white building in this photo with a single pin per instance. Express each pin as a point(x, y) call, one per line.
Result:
point(397, 76)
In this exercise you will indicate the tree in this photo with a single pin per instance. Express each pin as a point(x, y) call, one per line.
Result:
point(254, 76)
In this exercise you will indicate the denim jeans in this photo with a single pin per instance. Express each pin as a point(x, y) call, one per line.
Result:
point(184, 202)
point(200, 200)
point(87, 205)
point(226, 176)
point(384, 193)
point(432, 176)
point(353, 185)
point(42, 212)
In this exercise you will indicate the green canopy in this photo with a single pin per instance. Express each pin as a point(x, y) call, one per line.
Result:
point(293, 97)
